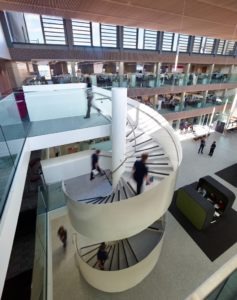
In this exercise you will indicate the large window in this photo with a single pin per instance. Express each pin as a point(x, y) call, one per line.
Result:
point(81, 31)
point(129, 37)
point(183, 42)
point(221, 47)
point(197, 44)
point(208, 48)
point(230, 48)
point(34, 28)
point(108, 35)
point(53, 28)
point(150, 39)
point(167, 41)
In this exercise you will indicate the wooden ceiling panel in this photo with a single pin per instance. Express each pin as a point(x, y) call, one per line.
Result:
point(214, 18)
point(228, 4)
point(203, 11)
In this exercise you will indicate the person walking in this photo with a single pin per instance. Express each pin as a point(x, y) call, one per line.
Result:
point(102, 256)
point(140, 172)
point(62, 234)
point(202, 145)
point(89, 96)
point(212, 149)
point(95, 164)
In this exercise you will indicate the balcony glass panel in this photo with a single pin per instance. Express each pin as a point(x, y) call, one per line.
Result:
point(12, 137)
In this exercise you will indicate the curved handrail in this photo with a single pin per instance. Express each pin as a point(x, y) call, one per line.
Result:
point(154, 119)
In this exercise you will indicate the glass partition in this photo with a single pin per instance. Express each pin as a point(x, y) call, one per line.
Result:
point(39, 276)
point(12, 137)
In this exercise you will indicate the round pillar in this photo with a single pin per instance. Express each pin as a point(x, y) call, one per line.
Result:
point(119, 120)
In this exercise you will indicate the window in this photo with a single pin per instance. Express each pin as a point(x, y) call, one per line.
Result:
point(167, 41)
point(81, 31)
point(230, 48)
point(150, 39)
point(129, 37)
point(108, 35)
point(208, 46)
point(221, 47)
point(34, 28)
point(183, 42)
point(197, 44)
point(53, 30)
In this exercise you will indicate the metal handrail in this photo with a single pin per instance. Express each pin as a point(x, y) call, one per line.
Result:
point(159, 125)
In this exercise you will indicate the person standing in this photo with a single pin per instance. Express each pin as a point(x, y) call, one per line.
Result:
point(95, 164)
point(212, 149)
point(140, 172)
point(202, 145)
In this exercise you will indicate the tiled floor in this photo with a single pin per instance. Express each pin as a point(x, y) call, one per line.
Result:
point(182, 265)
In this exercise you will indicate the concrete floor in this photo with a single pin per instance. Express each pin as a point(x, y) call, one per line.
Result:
point(182, 265)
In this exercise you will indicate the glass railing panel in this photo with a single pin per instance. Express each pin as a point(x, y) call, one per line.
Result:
point(226, 290)
point(12, 137)
point(136, 80)
point(55, 196)
point(39, 275)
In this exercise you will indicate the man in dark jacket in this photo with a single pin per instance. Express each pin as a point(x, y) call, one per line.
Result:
point(140, 172)
point(213, 146)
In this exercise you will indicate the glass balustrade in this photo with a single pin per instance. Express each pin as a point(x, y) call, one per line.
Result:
point(137, 80)
point(12, 137)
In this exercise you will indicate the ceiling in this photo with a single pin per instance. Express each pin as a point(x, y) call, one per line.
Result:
point(213, 18)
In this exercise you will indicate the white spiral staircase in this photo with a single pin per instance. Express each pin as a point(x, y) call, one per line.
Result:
point(131, 225)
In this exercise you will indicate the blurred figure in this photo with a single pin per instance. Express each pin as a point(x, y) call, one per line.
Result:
point(102, 256)
point(212, 149)
point(140, 172)
point(62, 234)
point(95, 164)
point(89, 96)
point(202, 145)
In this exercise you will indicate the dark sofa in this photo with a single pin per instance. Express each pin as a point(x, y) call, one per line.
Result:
point(197, 209)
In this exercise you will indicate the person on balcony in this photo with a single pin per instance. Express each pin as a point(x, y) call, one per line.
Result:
point(89, 96)
point(140, 172)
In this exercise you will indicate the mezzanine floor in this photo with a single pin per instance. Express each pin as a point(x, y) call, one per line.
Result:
point(182, 265)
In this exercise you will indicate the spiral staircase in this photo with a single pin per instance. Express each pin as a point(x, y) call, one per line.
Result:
point(132, 226)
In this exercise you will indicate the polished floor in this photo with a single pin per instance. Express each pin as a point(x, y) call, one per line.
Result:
point(182, 266)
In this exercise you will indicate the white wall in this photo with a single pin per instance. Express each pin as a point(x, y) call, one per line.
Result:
point(4, 53)
point(45, 102)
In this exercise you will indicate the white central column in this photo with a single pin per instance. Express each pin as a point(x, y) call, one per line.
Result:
point(119, 120)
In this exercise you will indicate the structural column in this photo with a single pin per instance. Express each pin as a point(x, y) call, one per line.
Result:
point(119, 120)
point(121, 72)
point(157, 69)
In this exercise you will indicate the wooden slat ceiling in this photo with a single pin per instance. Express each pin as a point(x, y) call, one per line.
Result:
point(213, 18)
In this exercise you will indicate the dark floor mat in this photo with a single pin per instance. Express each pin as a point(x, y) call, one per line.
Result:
point(215, 239)
point(229, 174)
